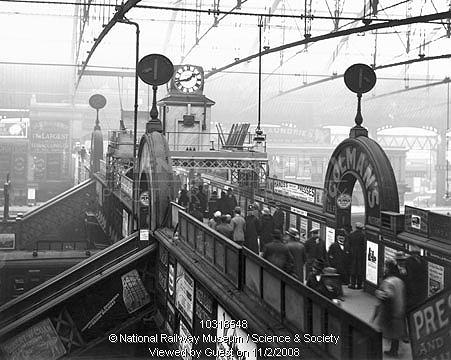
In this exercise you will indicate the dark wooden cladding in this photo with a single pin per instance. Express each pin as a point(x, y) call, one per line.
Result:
point(440, 227)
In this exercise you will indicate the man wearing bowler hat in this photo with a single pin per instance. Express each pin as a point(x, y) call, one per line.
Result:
point(320, 282)
point(315, 248)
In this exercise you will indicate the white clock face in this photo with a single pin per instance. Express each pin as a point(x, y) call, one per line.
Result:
point(188, 79)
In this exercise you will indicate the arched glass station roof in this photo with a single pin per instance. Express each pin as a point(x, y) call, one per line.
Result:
point(64, 51)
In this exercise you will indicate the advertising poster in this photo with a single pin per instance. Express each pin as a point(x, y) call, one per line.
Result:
point(40, 341)
point(429, 328)
point(330, 237)
point(315, 225)
point(415, 222)
point(304, 225)
point(163, 278)
point(144, 234)
point(389, 253)
point(292, 220)
point(185, 345)
point(13, 128)
point(436, 276)
point(7, 241)
point(134, 293)
point(171, 281)
point(371, 262)
point(124, 223)
point(170, 321)
point(239, 344)
point(184, 293)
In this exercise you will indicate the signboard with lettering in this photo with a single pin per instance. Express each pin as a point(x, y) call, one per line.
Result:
point(290, 134)
point(429, 326)
point(40, 341)
point(233, 343)
point(184, 293)
point(296, 191)
point(185, 345)
point(49, 136)
point(389, 253)
point(440, 227)
point(50, 143)
point(436, 278)
point(416, 220)
point(304, 225)
point(7, 241)
point(344, 201)
point(14, 128)
point(372, 254)
point(330, 237)
point(360, 159)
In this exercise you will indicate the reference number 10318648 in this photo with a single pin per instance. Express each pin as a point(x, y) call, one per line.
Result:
point(223, 324)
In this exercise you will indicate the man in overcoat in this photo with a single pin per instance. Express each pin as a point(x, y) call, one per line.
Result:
point(357, 256)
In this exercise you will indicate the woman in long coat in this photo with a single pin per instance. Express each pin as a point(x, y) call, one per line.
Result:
point(390, 313)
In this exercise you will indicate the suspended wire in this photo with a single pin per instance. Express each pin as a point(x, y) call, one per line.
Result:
point(207, 11)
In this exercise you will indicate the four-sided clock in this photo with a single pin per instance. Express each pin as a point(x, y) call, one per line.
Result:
point(188, 79)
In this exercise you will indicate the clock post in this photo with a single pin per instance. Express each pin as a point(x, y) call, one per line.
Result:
point(186, 111)
point(155, 69)
point(154, 124)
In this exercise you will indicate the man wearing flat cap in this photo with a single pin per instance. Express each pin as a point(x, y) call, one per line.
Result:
point(315, 248)
point(297, 249)
point(357, 256)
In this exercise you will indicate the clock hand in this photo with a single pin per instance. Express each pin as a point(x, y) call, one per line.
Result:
point(188, 78)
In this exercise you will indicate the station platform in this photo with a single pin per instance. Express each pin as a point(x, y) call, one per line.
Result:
point(362, 304)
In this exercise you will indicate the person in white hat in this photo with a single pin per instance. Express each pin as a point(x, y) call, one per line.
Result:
point(215, 220)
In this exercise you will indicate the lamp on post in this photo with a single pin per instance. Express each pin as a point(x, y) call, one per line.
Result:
point(6, 188)
point(359, 78)
point(259, 138)
point(97, 102)
point(153, 69)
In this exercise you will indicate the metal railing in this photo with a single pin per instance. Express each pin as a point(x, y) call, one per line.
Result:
point(299, 308)
point(126, 185)
point(223, 254)
point(49, 293)
point(178, 141)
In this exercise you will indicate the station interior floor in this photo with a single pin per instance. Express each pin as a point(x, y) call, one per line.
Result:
point(362, 304)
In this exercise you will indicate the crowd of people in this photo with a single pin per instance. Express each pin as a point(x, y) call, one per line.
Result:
point(403, 287)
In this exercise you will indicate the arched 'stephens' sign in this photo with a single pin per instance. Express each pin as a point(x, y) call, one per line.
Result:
point(364, 160)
